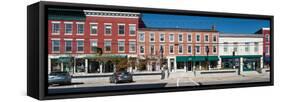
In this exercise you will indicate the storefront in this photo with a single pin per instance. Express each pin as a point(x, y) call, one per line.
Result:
point(65, 64)
point(245, 62)
point(251, 63)
point(230, 62)
point(188, 63)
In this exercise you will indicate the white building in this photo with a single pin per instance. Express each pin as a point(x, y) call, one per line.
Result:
point(242, 51)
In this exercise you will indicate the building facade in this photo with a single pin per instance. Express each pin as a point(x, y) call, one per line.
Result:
point(243, 51)
point(77, 37)
point(181, 49)
point(266, 45)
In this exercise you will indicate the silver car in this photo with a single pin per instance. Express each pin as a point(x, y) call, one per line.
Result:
point(61, 78)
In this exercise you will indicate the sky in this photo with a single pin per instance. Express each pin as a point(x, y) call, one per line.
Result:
point(223, 25)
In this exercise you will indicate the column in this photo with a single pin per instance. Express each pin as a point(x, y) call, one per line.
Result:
point(61, 66)
point(74, 67)
point(49, 65)
point(185, 65)
point(219, 63)
point(86, 65)
point(200, 67)
point(169, 64)
point(241, 64)
point(261, 65)
point(100, 67)
point(175, 65)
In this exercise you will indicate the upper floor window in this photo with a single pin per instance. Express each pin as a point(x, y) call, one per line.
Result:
point(94, 45)
point(214, 49)
point(121, 29)
point(197, 38)
point(68, 45)
point(225, 46)
point(247, 46)
point(107, 29)
point(256, 46)
point(141, 49)
point(152, 37)
point(162, 37)
point(171, 48)
point(235, 46)
point(132, 29)
point(267, 49)
point(94, 28)
point(152, 49)
point(180, 38)
point(55, 45)
point(80, 45)
point(214, 38)
point(132, 46)
point(180, 49)
point(206, 38)
point(189, 38)
point(189, 49)
point(267, 38)
point(80, 28)
point(68, 27)
point(171, 37)
point(55, 28)
point(197, 49)
point(141, 37)
point(121, 46)
point(162, 49)
point(107, 45)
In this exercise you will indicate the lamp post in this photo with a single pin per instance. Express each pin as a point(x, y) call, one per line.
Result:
point(207, 51)
point(193, 60)
point(234, 63)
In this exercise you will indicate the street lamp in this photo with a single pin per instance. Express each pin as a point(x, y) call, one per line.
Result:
point(239, 70)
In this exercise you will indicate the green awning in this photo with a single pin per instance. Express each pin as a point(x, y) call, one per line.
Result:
point(243, 56)
point(65, 59)
point(65, 14)
point(196, 58)
point(105, 56)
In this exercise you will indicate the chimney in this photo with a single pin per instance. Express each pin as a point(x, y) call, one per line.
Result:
point(213, 27)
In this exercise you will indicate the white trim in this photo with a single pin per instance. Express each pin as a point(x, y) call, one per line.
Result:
point(104, 45)
point(190, 49)
point(151, 37)
point(118, 29)
point(213, 49)
point(132, 39)
point(120, 39)
point(67, 22)
point(163, 48)
point(55, 21)
point(55, 38)
point(104, 25)
point(65, 28)
point(265, 28)
point(170, 49)
point(78, 46)
point(190, 37)
point(216, 38)
point(135, 29)
point(196, 49)
point(93, 23)
point(77, 23)
point(80, 39)
point(181, 49)
point(130, 46)
point(173, 37)
point(143, 49)
point(196, 37)
point(111, 14)
point(150, 52)
point(139, 33)
point(161, 33)
point(68, 39)
point(205, 37)
point(108, 39)
point(179, 37)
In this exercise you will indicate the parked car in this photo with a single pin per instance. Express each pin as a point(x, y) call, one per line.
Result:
point(61, 78)
point(122, 76)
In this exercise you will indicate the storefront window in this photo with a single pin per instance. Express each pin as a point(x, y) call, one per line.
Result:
point(80, 65)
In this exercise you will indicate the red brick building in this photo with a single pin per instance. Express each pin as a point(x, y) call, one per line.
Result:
point(266, 45)
point(75, 35)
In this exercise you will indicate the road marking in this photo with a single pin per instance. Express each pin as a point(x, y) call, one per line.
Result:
point(194, 82)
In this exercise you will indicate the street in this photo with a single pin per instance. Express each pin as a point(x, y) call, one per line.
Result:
point(92, 84)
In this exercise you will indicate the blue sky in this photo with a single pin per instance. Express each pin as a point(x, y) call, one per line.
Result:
point(224, 25)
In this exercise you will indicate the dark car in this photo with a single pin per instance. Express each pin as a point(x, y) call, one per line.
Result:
point(122, 76)
point(61, 78)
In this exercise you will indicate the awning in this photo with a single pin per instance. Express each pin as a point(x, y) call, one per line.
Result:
point(196, 58)
point(106, 56)
point(65, 59)
point(239, 56)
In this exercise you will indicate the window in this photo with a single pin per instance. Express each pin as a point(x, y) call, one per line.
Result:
point(171, 37)
point(55, 45)
point(121, 46)
point(162, 37)
point(225, 46)
point(152, 49)
point(247, 46)
point(80, 45)
point(68, 28)
point(180, 49)
point(214, 38)
point(141, 37)
point(214, 49)
point(267, 50)
point(180, 38)
point(256, 46)
point(189, 49)
point(121, 29)
point(68, 45)
point(152, 37)
point(55, 27)
point(162, 49)
point(197, 38)
point(206, 49)
point(107, 45)
point(94, 28)
point(197, 48)
point(107, 29)
point(171, 49)
point(235, 47)
point(132, 46)
point(132, 29)
point(94, 45)
point(206, 38)
point(267, 38)
point(141, 49)
point(80, 28)
point(189, 38)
